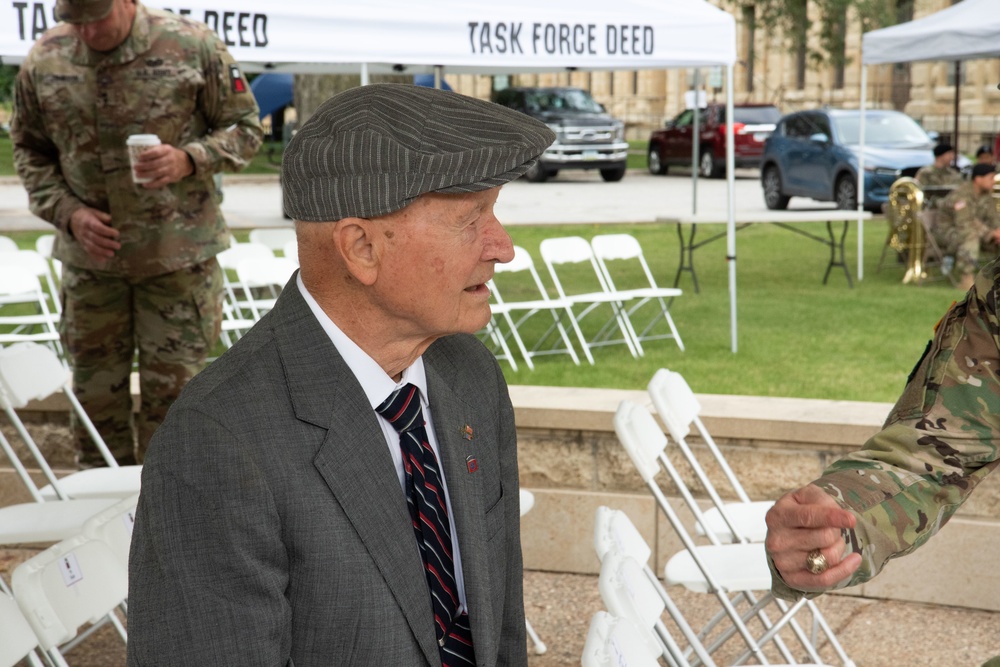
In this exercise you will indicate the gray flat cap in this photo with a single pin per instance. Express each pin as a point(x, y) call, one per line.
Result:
point(372, 150)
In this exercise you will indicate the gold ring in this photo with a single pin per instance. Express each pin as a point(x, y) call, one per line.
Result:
point(816, 562)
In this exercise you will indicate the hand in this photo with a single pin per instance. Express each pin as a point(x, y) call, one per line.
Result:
point(804, 520)
point(164, 164)
point(93, 231)
point(995, 236)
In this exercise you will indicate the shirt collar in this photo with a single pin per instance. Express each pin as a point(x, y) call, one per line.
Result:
point(375, 382)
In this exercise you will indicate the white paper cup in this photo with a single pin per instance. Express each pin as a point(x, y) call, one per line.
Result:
point(137, 143)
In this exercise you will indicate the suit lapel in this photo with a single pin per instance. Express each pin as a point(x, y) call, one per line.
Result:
point(452, 413)
point(354, 460)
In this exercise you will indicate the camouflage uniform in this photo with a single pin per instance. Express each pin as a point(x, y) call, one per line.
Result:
point(74, 109)
point(941, 439)
point(964, 225)
point(931, 175)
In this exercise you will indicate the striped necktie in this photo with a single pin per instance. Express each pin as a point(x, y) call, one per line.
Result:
point(425, 498)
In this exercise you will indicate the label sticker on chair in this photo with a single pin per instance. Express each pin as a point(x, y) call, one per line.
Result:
point(129, 520)
point(617, 654)
point(70, 569)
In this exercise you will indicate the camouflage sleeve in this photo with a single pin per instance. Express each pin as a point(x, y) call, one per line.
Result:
point(36, 158)
point(231, 112)
point(968, 222)
point(940, 440)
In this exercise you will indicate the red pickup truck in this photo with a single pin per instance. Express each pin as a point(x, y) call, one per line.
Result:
point(673, 144)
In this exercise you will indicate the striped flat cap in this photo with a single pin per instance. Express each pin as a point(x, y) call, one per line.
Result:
point(372, 150)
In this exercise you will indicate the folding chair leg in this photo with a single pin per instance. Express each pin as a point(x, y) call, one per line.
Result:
point(540, 646)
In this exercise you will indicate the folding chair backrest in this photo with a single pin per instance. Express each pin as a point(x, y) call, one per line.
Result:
point(615, 642)
point(611, 247)
point(674, 401)
point(16, 281)
point(7, 244)
point(527, 501)
point(273, 238)
point(114, 526)
point(17, 639)
point(45, 244)
point(628, 593)
point(641, 437)
point(74, 582)
point(522, 262)
point(29, 371)
point(236, 253)
point(613, 530)
point(291, 251)
point(569, 250)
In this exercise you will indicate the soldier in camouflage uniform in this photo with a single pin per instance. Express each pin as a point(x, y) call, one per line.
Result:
point(967, 223)
point(139, 260)
point(940, 172)
point(940, 441)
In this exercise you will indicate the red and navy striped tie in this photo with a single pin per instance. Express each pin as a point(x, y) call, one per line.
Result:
point(425, 497)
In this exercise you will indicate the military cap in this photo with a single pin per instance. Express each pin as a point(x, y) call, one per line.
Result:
point(83, 11)
point(941, 149)
point(984, 150)
point(983, 170)
point(372, 150)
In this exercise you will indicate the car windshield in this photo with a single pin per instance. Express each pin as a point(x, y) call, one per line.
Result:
point(882, 129)
point(568, 99)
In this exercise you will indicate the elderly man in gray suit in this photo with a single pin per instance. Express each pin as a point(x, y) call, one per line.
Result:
point(340, 488)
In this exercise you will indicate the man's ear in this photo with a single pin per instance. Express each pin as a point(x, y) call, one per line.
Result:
point(356, 242)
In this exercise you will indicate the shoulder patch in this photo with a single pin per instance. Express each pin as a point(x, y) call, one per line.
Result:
point(236, 79)
point(960, 204)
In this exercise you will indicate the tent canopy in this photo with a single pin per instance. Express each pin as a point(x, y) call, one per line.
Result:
point(400, 36)
point(966, 31)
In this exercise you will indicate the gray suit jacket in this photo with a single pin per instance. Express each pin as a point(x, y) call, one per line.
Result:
point(272, 530)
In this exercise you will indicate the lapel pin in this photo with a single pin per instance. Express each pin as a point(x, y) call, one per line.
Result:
point(467, 432)
point(472, 464)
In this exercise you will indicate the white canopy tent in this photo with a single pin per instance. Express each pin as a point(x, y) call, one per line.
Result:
point(965, 31)
point(457, 36)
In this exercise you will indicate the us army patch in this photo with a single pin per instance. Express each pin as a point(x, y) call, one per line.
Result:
point(236, 79)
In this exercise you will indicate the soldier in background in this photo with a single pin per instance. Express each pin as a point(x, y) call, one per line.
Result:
point(941, 171)
point(139, 260)
point(984, 155)
point(968, 224)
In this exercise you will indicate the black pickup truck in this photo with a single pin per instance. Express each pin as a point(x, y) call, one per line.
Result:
point(586, 136)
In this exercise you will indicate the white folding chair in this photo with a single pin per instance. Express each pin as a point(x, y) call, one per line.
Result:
point(516, 313)
point(718, 569)
point(527, 502)
point(576, 251)
point(45, 246)
point(275, 238)
point(612, 250)
point(17, 639)
point(266, 276)
point(678, 408)
point(38, 265)
point(29, 371)
point(493, 337)
point(7, 244)
point(229, 259)
point(615, 642)
point(72, 583)
point(114, 526)
point(24, 309)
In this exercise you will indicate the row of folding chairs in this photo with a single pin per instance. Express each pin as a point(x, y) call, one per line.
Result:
point(29, 298)
point(724, 557)
point(88, 514)
point(592, 300)
point(253, 276)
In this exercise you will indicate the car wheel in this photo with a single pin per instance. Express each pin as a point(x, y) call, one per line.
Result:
point(656, 166)
point(613, 174)
point(536, 173)
point(706, 166)
point(846, 193)
point(773, 196)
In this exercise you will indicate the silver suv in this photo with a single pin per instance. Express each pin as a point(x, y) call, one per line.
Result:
point(586, 136)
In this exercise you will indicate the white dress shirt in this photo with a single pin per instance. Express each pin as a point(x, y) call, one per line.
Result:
point(377, 386)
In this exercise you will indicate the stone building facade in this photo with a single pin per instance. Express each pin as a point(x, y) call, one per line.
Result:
point(770, 71)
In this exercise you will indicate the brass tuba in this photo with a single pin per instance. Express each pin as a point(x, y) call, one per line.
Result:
point(906, 233)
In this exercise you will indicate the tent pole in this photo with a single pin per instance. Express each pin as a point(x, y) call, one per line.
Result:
point(861, 174)
point(695, 143)
point(364, 74)
point(958, 94)
point(438, 76)
point(731, 212)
